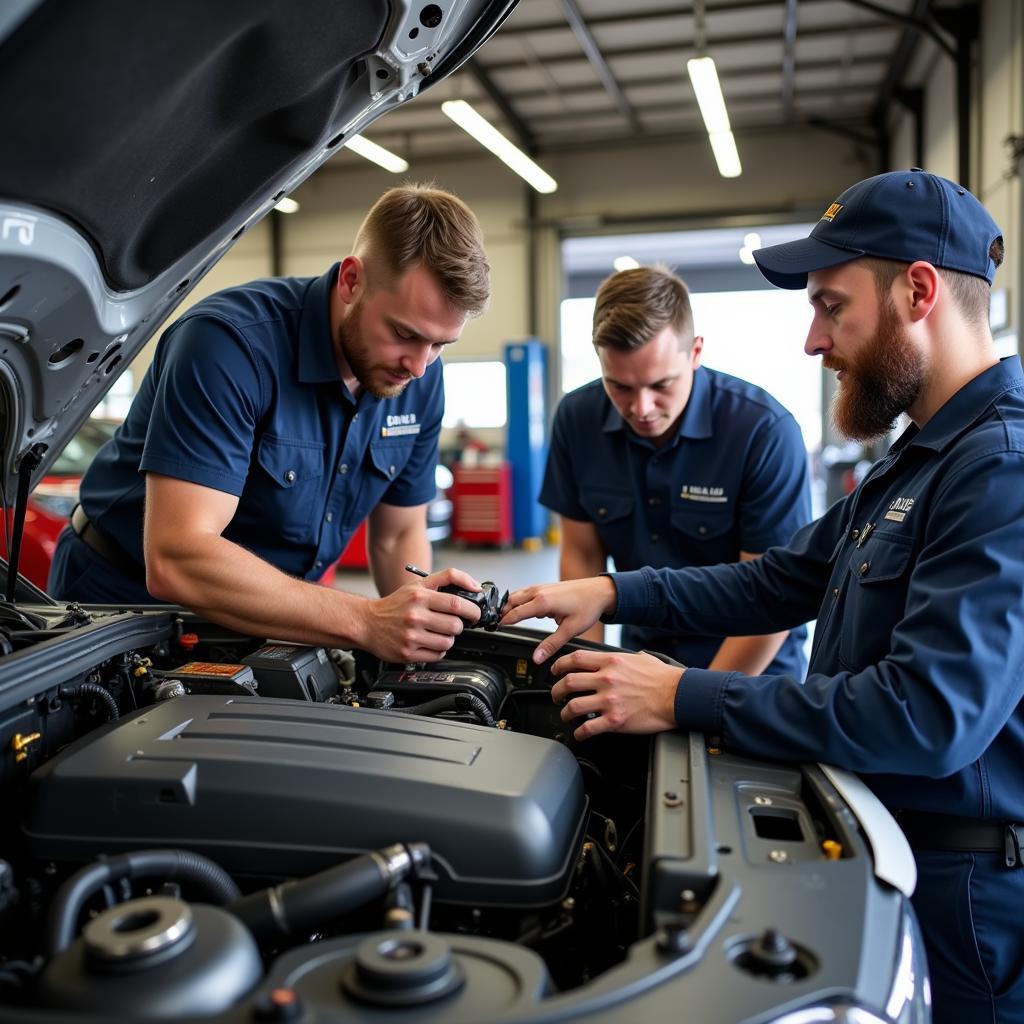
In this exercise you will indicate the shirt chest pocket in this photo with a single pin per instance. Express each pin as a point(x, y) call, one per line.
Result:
point(387, 459)
point(705, 534)
point(382, 466)
point(876, 598)
point(612, 513)
point(292, 490)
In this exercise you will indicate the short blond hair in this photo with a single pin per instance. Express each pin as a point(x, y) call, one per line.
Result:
point(633, 306)
point(421, 224)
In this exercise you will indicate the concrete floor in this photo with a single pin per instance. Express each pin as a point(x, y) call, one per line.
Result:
point(510, 570)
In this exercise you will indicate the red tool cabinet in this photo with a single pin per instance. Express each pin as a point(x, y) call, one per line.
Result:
point(482, 496)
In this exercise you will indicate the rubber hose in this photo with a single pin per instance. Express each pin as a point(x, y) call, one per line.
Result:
point(294, 909)
point(210, 879)
point(91, 690)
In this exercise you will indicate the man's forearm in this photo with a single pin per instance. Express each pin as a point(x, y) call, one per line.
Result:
point(231, 586)
point(750, 655)
point(389, 556)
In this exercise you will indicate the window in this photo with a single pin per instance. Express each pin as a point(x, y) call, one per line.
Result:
point(475, 395)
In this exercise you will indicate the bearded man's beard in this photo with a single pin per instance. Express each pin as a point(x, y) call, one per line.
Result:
point(882, 382)
point(371, 375)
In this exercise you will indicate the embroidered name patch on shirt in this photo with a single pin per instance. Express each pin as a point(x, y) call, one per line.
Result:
point(400, 424)
point(899, 509)
point(697, 492)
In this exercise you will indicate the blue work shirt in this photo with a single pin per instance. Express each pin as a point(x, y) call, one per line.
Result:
point(732, 478)
point(244, 396)
point(917, 582)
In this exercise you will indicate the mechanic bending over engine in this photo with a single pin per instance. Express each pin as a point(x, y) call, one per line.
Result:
point(664, 462)
point(916, 580)
point(274, 418)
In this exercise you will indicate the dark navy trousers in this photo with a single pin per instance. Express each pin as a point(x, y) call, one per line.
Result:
point(971, 910)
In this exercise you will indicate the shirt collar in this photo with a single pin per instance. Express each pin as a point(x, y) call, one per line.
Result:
point(316, 349)
point(965, 406)
point(696, 419)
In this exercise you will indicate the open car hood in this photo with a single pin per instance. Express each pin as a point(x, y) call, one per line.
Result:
point(140, 143)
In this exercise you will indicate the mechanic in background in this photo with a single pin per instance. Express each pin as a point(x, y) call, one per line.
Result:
point(664, 462)
point(916, 579)
point(274, 418)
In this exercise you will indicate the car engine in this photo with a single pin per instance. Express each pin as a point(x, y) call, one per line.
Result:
point(204, 825)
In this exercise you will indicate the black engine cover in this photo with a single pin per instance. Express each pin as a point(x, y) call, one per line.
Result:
point(284, 788)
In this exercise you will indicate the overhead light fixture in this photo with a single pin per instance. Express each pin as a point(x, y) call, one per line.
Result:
point(475, 124)
point(704, 78)
point(751, 241)
point(377, 154)
point(625, 263)
point(287, 205)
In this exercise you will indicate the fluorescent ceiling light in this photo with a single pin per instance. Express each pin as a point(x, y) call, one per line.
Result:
point(704, 78)
point(377, 154)
point(625, 263)
point(728, 160)
point(287, 205)
point(751, 241)
point(489, 137)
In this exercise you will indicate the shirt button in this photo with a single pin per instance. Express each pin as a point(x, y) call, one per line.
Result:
point(602, 511)
point(655, 537)
point(355, 416)
point(864, 566)
point(391, 470)
point(654, 501)
point(290, 476)
point(702, 530)
point(343, 468)
point(329, 517)
point(854, 534)
point(317, 564)
point(835, 591)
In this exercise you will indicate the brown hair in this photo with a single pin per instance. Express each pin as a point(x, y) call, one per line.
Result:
point(420, 224)
point(971, 294)
point(633, 306)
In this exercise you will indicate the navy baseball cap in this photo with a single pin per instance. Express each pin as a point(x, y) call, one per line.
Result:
point(903, 216)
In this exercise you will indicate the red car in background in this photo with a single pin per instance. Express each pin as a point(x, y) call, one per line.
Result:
point(51, 503)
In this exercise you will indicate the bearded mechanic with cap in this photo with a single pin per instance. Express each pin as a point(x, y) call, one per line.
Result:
point(916, 580)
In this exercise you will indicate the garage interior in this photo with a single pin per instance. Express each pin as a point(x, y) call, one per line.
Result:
point(509, 858)
point(819, 93)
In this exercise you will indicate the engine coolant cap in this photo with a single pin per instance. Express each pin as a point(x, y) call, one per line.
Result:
point(403, 969)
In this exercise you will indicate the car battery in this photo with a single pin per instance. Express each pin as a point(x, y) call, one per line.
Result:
point(416, 686)
point(294, 671)
point(211, 677)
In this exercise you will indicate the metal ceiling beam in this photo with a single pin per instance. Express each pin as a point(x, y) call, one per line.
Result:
point(720, 42)
point(498, 98)
point(920, 23)
point(735, 103)
point(589, 46)
point(789, 60)
point(733, 74)
point(639, 17)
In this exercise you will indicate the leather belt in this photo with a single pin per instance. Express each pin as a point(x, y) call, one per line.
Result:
point(109, 550)
point(950, 832)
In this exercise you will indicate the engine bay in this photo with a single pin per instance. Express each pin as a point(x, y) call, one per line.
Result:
point(206, 825)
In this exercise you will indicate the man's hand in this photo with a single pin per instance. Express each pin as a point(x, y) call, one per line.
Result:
point(627, 692)
point(415, 622)
point(575, 605)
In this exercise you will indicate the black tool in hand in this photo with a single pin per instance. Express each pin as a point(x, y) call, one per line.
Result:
point(487, 600)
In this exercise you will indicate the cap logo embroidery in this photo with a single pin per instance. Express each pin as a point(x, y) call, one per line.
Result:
point(832, 212)
point(899, 509)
